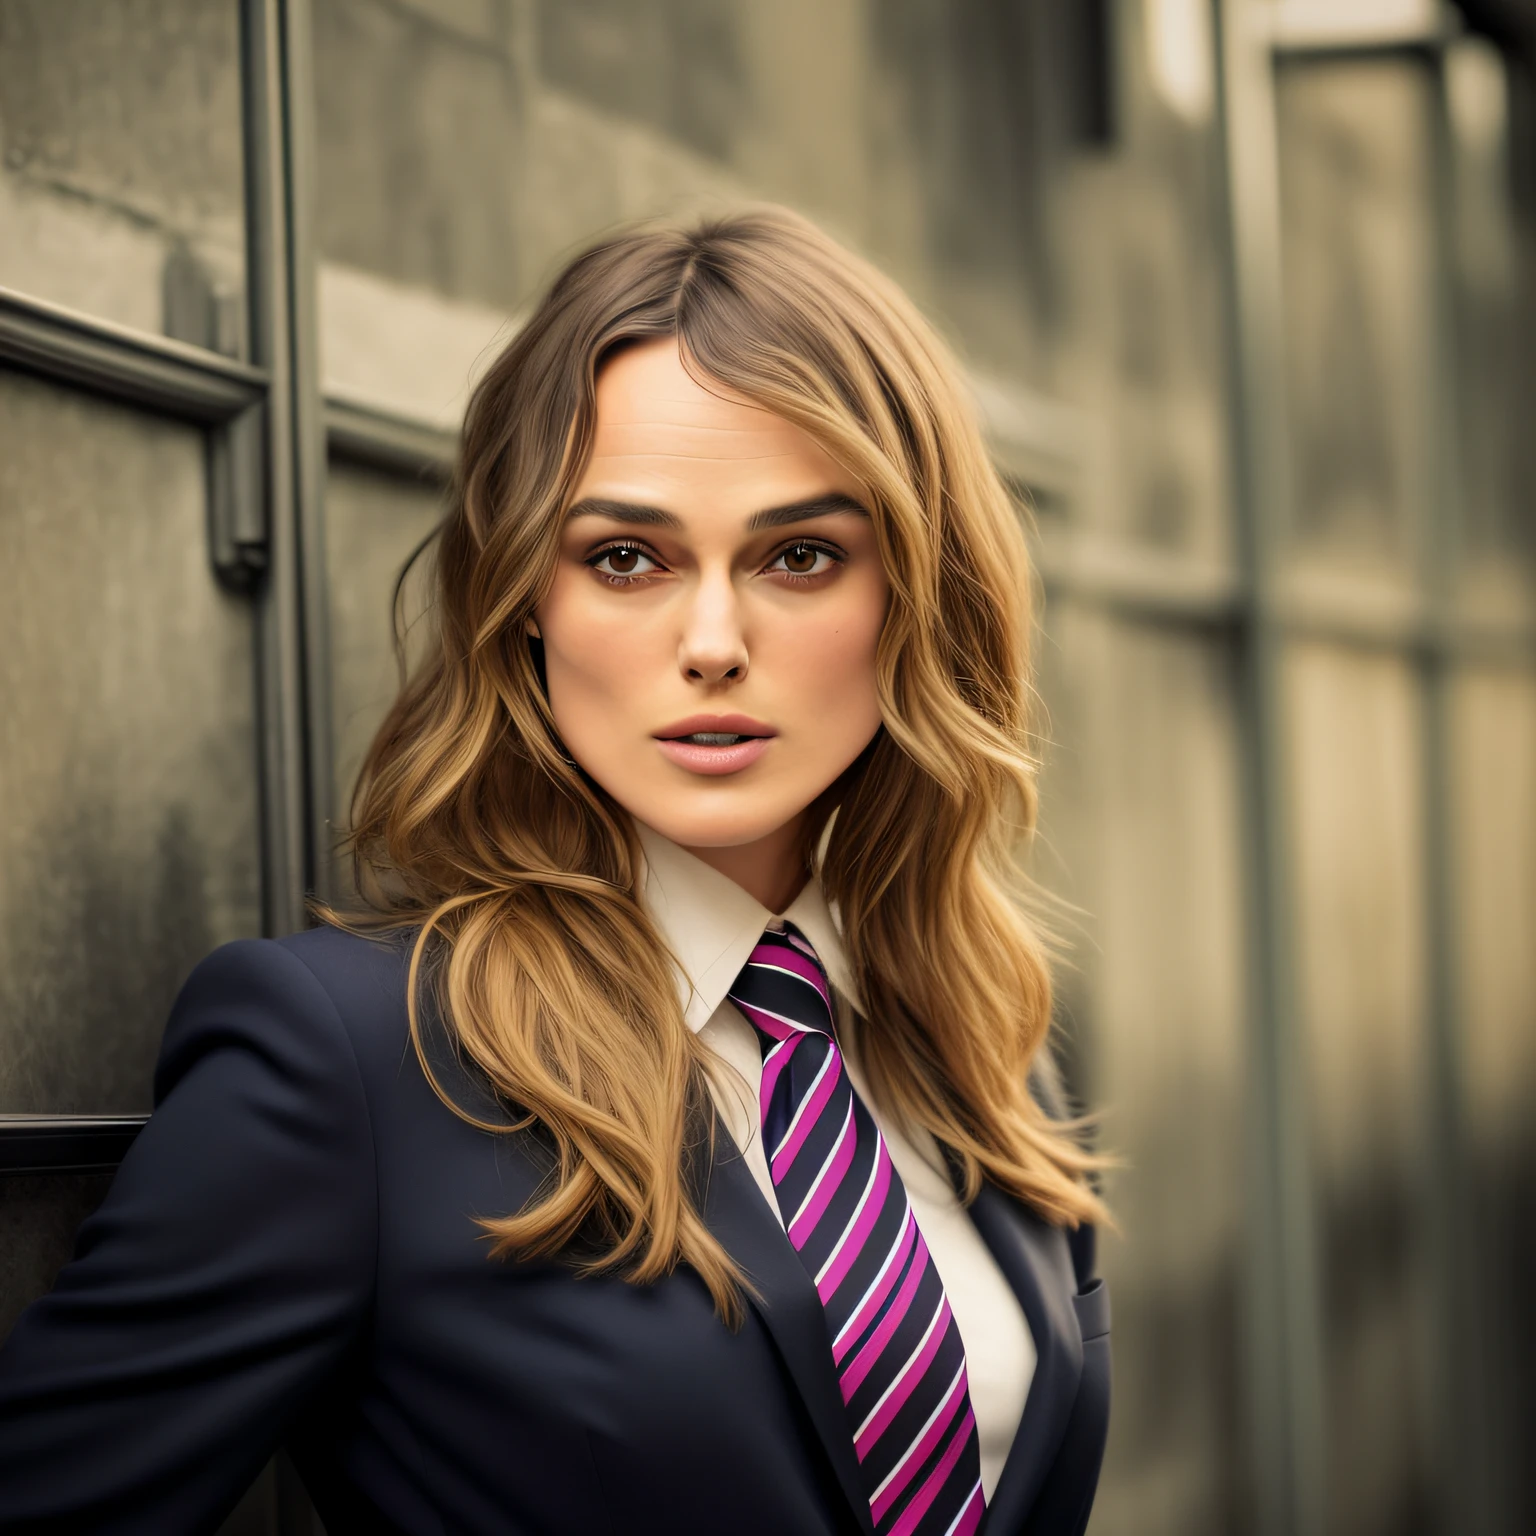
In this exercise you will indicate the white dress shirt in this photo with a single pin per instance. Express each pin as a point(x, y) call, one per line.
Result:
point(712, 926)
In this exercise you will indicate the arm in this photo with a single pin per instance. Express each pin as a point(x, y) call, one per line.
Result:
point(222, 1280)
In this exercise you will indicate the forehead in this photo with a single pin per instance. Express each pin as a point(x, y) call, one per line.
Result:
point(664, 438)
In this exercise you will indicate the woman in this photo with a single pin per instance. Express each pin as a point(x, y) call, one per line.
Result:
point(658, 1153)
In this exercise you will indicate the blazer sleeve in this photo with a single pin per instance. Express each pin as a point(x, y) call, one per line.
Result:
point(225, 1276)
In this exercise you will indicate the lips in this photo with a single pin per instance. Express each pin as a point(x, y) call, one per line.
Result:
point(714, 726)
point(715, 744)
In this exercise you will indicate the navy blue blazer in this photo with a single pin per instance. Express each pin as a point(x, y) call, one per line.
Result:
point(289, 1256)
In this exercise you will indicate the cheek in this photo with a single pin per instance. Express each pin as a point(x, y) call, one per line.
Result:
point(833, 656)
point(588, 669)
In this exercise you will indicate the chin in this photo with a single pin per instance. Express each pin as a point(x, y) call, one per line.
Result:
point(717, 826)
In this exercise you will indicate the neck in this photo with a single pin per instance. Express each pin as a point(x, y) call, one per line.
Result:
point(772, 870)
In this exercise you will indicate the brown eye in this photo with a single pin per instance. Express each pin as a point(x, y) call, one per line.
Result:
point(804, 560)
point(623, 560)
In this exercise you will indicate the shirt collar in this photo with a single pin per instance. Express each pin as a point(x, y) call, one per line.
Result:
point(711, 925)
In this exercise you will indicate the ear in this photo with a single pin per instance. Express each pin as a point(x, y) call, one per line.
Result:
point(531, 629)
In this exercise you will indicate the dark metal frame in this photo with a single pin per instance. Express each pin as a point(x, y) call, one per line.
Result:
point(66, 1143)
point(169, 378)
point(1283, 1336)
point(151, 372)
point(268, 434)
point(397, 445)
point(1281, 1323)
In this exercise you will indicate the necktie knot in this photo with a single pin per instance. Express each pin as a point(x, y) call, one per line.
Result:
point(783, 988)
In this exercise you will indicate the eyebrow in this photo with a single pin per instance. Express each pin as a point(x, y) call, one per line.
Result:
point(639, 515)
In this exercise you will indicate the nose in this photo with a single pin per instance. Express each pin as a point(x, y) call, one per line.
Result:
point(713, 646)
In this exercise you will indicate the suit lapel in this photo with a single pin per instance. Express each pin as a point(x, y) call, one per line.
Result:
point(735, 1211)
point(1035, 1261)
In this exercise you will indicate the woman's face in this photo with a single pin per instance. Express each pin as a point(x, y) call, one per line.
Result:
point(710, 634)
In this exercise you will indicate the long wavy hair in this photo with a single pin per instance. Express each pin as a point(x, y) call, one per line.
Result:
point(519, 877)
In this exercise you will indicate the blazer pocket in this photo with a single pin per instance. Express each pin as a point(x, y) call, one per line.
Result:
point(1092, 1307)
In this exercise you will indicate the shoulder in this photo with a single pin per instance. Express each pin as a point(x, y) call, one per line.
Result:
point(362, 975)
point(314, 1002)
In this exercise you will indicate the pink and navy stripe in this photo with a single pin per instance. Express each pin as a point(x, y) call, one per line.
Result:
point(894, 1341)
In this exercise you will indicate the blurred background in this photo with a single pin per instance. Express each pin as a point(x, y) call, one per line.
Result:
point(1247, 293)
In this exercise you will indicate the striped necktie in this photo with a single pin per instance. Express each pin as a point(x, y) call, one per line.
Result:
point(895, 1345)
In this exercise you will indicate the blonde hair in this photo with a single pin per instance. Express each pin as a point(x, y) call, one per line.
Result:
point(519, 875)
